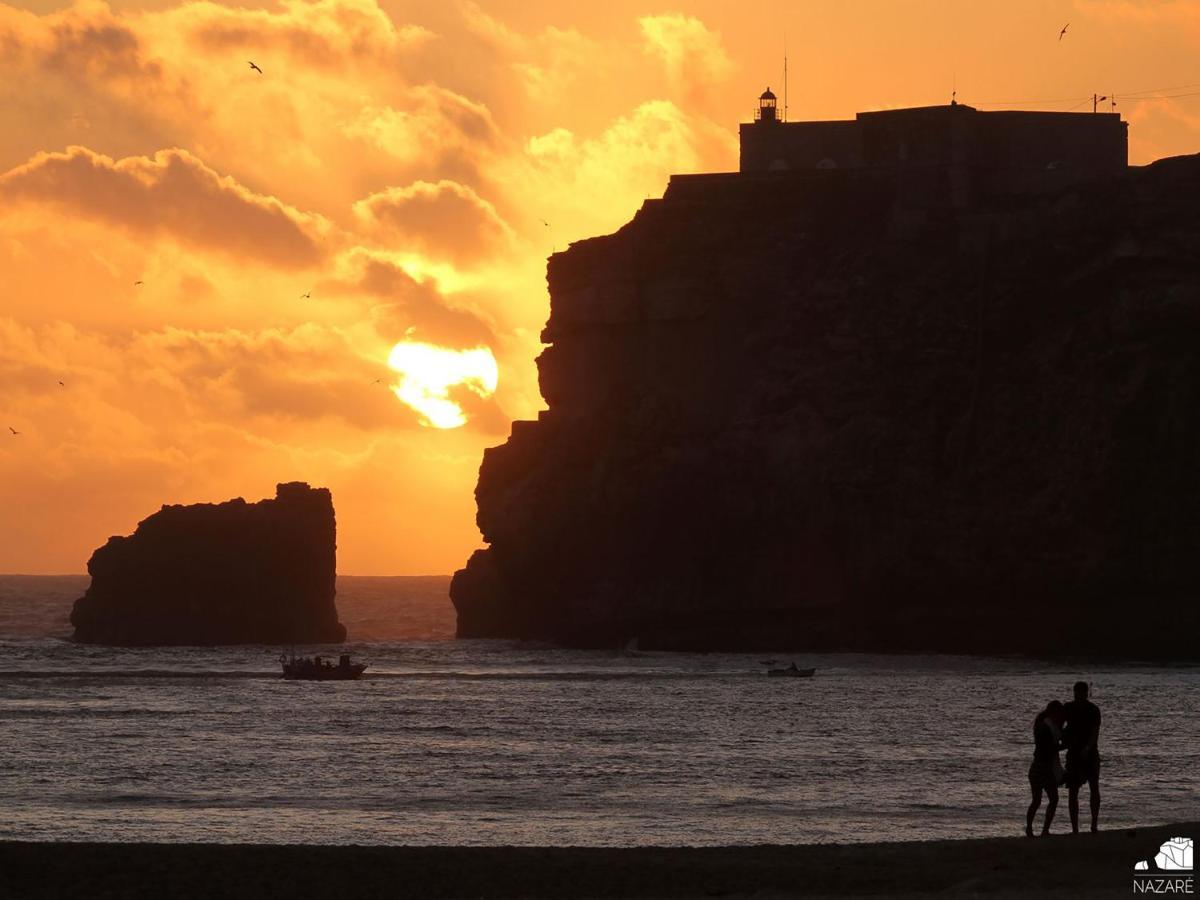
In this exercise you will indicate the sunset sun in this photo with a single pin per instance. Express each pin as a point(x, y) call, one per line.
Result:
point(428, 372)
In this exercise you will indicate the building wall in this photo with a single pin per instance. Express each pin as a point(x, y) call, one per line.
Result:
point(1091, 142)
point(935, 135)
point(805, 146)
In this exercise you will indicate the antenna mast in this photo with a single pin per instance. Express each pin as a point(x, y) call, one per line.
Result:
point(785, 85)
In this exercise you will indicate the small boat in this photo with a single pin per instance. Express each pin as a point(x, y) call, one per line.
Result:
point(318, 669)
point(792, 671)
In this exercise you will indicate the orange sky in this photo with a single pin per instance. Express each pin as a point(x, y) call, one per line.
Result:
point(397, 161)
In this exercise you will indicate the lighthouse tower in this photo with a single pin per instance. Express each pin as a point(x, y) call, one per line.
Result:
point(767, 110)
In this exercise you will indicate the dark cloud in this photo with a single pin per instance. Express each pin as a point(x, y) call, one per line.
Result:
point(416, 310)
point(445, 220)
point(82, 42)
point(307, 373)
point(324, 33)
point(172, 194)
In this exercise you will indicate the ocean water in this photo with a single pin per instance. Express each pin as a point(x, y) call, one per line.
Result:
point(497, 743)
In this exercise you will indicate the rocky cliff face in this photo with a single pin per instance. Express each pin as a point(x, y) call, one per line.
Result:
point(226, 573)
point(837, 413)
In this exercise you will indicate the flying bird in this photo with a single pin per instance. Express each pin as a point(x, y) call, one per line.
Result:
point(544, 222)
point(60, 384)
point(254, 67)
point(377, 381)
point(137, 283)
point(13, 430)
point(307, 295)
point(1064, 31)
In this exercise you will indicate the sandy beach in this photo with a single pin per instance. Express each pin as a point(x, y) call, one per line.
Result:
point(1062, 866)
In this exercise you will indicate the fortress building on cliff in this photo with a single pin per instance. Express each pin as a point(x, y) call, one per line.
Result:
point(1080, 144)
point(949, 156)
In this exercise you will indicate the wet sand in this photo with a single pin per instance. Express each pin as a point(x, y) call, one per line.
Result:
point(1057, 868)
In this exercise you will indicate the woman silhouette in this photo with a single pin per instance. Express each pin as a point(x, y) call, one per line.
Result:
point(1046, 771)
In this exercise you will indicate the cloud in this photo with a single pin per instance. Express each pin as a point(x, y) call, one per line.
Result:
point(561, 59)
point(173, 194)
point(143, 385)
point(342, 78)
point(547, 63)
point(602, 179)
point(411, 307)
point(272, 381)
point(323, 33)
point(444, 219)
point(86, 74)
point(433, 128)
point(86, 41)
point(694, 57)
point(306, 373)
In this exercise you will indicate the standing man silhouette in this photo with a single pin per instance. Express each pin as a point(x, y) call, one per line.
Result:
point(1081, 734)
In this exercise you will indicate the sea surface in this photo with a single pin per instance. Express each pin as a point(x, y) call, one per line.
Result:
point(499, 743)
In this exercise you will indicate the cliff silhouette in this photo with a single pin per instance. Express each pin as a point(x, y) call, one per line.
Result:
point(225, 573)
point(844, 410)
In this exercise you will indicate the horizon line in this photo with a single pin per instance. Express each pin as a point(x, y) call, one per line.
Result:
point(337, 574)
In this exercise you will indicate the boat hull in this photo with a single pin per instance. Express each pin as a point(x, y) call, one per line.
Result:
point(323, 673)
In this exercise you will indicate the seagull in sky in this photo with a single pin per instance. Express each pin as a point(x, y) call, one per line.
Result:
point(60, 384)
point(138, 283)
point(377, 381)
point(307, 295)
point(1064, 31)
point(254, 67)
point(13, 430)
point(544, 222)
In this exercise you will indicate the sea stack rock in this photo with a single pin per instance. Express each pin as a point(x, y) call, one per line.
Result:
point(224, 573)
point(905, 409)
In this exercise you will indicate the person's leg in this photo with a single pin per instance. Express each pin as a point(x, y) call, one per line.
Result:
point(1033, 808)
point(1094, 796)
point(1073, 805)
point(1051, 806)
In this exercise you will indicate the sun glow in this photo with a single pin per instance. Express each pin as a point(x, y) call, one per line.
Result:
point(428, 372)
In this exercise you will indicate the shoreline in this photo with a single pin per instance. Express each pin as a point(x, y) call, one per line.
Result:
point(1060, 867)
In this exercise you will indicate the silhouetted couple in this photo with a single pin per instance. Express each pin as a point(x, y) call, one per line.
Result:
point(1075, 726)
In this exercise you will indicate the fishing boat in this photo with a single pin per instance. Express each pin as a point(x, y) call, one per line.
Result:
point(319, 669)
point(792, 671)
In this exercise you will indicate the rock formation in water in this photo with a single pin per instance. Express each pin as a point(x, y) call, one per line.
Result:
point(846, 410)
point(225, 573)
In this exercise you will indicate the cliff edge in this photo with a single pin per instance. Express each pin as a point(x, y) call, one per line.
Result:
point(860, 411)
point(226, 573)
